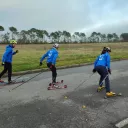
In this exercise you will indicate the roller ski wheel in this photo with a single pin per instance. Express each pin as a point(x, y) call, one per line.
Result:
point(99, 89)
point(50, 84)
point(118, 94)
point(65, 86)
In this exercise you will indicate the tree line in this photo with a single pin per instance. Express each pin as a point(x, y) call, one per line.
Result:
point(34, 35)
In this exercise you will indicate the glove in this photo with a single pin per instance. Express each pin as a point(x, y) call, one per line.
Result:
point(40, 64)
point(109, 70)
point(2, 63)
point(17, 51)
point(94, 70)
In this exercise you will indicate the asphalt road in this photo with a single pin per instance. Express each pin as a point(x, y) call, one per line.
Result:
point(33, 106)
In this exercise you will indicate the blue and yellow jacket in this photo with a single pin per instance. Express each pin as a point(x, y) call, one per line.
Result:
point(51, 55)
point(8, 54)
point(103, 60)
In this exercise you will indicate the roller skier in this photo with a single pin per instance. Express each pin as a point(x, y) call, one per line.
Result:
point(102, 66)
point(52, 56)
point(7, 60)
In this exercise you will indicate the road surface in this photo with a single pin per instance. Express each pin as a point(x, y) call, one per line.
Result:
point(33, 106)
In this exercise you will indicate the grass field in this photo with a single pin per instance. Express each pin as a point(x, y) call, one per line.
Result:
point(69, 54)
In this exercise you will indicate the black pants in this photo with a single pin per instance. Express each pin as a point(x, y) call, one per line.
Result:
point(103, 75)
point(7, 67)
point(54, 73)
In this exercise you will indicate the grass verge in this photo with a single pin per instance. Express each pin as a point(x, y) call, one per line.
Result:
point(69, 54)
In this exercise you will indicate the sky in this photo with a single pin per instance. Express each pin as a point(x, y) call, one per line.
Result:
point(105, 16)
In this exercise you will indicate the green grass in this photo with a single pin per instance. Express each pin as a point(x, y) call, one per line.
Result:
point(69, 54)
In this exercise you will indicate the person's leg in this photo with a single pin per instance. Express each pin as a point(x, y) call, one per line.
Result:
point(101, 73)
point(4, 71)
point(101, 81)
point(9, 72)
point(107, 84)
point(53, 69)
point(54, 74)
point(105, 76)
point(102, 76)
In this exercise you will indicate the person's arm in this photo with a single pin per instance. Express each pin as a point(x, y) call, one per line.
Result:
point(94, 69)
point(43, 57)
point(15, 52)
point(108, 59)
point(96, 61)
point(3, 59)
point(6, 54)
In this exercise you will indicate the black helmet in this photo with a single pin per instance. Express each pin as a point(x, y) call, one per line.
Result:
point(106, 49)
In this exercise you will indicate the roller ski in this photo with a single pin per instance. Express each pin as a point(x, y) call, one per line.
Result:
point(112, 94)
point(1, 81)
point(53, 86)
point(11, 82)
point(99, 89)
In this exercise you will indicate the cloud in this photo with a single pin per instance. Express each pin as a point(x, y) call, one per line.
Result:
point(71, 15)
point(8, 4)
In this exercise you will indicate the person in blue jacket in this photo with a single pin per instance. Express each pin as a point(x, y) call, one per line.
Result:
point(52, 56)
point(102, 66)
point(7, 60)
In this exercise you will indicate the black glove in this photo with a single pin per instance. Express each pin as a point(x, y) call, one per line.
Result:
point(17, 51)
point(2, 63)
point(94, 70)
point(40, 63)
point(109, 70)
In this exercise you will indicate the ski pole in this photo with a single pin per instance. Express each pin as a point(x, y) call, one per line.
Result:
point(84, 81)
point(22, 75)
point(25, 82)
point(79, 85)
point(103, 79)
point(19, 77)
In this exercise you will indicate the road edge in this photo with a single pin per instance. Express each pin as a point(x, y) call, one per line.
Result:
point(58, 68)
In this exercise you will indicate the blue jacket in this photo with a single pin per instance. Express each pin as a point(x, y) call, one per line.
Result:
point(7, 56)
point(51, 55)
point(103, 60)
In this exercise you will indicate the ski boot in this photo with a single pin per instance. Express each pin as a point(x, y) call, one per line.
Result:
point(53, 85)
point(10, 82)
point(100, 88)
point(110, 94)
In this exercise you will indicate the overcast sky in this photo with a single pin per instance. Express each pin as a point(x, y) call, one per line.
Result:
point(106, 16)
